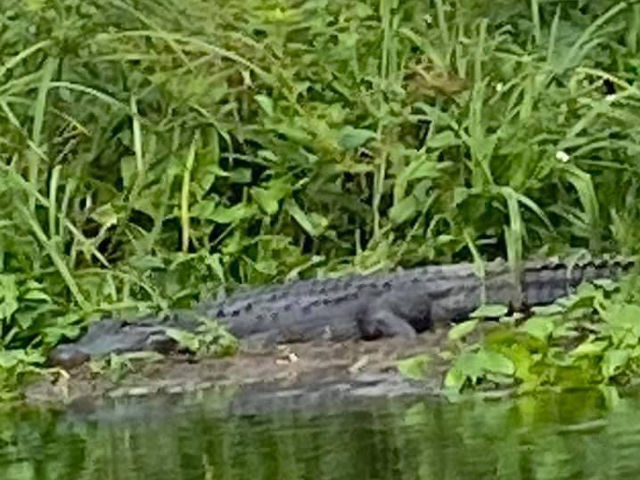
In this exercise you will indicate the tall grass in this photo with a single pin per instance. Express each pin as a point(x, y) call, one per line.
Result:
point(153, 152)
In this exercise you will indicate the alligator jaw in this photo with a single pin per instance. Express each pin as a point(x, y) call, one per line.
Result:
point(68, 356)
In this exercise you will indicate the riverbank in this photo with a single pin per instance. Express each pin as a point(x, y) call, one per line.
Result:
point(155, 156)
point(316, 368)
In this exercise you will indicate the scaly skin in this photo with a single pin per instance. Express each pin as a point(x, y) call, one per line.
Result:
point(366, 307)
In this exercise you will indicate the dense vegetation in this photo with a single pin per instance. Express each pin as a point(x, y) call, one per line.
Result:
point(588, 339)
point(152, 152)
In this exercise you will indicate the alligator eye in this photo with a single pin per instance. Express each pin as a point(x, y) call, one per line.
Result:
point(386, 285)
point(235, 313)
point(220, 313)
point(248, 308)
point(326, 301)
point(287, 307)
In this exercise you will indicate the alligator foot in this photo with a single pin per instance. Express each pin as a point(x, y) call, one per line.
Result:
point(384, 323)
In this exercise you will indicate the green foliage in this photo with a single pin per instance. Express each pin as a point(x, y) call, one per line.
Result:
point(415, 367)
point(15, 367)
point(589, 339)
point(116, 367)
point(209, 339)
point(154, 152)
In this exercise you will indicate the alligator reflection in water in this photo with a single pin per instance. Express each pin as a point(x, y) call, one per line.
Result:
point(564, 436)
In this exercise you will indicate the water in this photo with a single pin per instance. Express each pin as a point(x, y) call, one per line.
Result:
point(550, 437)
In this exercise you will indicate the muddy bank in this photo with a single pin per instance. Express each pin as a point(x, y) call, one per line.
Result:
point(297, 376)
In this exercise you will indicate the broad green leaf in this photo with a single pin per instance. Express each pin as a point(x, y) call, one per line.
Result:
point(294, 131)
point(584, 297)
point(232, 214)
point(204, 208)
point(301, 217)
point(463, 329)
point(36, 295)
point(8, 296)
point(422, 168)
point(414, 367)
point(240, 175)
point(52, 335)
point(148, 356)
point(566, 329)
point(442, 140)
point(215, 263)
point(266, 103)
point(490, 311)
point(498, 379)
point(8, 359)
point(147, 262)
point(266, 266)
point(495, 362)
point(32, 285)
point(25, 318)
point(522, 360)
point(265, 198)
point(470, 365)
point(589, 347)
point(539, 326)
point(105, 215)
point(354, 137)
point(186, 340)
point(547, 310)
point(606, 284)
point(203, 176)
point(268, 155)
point(627, 315)
point(127, 170)
point(613, 361)
point(404, 210)
point(268, 198)
point(455, 379)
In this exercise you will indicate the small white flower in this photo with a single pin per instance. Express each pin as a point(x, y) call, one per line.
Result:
point(610, 98)
point(499, 86)
point(562, 156)
point(428, 18)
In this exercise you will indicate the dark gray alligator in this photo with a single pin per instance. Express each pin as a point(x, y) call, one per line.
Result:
point(367, 307)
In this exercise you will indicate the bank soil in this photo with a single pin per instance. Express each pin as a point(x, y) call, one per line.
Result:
point(286, 367)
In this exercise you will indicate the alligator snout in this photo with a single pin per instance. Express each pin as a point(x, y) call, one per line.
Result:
point(67, 356)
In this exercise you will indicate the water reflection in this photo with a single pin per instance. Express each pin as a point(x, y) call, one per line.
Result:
point(549, 437)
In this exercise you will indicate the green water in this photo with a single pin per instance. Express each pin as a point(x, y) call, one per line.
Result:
point(551, 437)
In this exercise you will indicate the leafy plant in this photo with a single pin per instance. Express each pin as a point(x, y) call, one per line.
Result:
point(117, 367)
point(589, 339)
point(415, 367)
point(209, 339)
point(152, 153)
point(15, 367)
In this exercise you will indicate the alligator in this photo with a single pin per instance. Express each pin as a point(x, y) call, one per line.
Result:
point(403, 303)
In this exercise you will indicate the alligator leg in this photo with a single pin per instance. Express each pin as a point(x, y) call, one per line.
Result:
point(384, 323)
